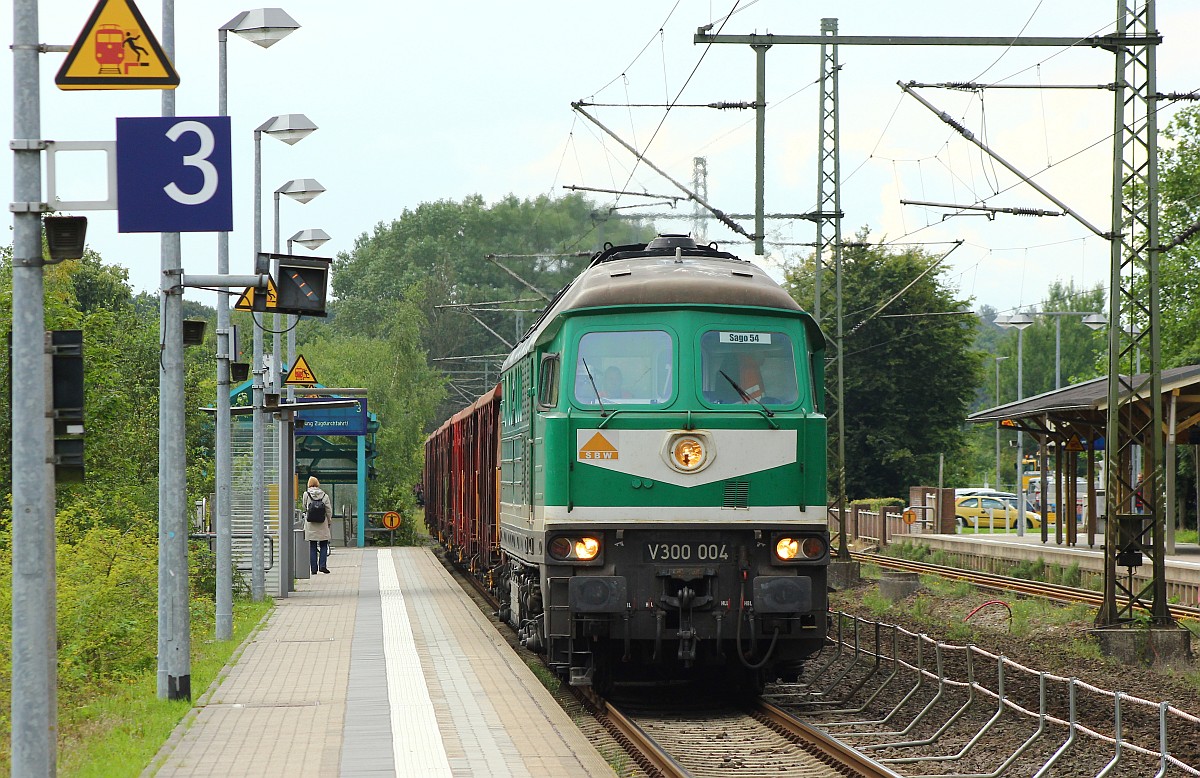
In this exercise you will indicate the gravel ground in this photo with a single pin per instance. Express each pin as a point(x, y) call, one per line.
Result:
point(903, 715)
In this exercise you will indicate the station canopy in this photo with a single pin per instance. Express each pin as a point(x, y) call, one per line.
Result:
point(1077, 414)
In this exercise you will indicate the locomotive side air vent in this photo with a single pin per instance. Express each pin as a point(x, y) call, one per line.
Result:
point(737, 494)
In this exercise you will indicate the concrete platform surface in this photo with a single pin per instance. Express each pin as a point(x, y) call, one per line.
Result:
point(382, 668)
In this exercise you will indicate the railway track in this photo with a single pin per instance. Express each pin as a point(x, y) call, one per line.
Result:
point(728, 742)
point(1006, 583)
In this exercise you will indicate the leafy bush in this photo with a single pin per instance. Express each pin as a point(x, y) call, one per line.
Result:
point(877, 503)
point(107, 605)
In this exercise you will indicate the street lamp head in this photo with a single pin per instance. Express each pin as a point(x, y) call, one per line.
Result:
point(1095, 321)
point(262, 26)
point(310, 239)
point(288, 127)
point(301, 189)
point(1019, 321)
point(1001, 320)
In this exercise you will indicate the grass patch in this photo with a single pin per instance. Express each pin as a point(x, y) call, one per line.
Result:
point(118, 732)
point(948, 587)
point(1030, 570)
point(548, 677)
point(876, 603)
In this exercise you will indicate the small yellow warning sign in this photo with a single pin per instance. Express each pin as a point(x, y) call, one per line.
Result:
point(391, 520)
point(246, 301)
point(300, 374)
point(1074, 444)
point(598, 448)
point(116, 50)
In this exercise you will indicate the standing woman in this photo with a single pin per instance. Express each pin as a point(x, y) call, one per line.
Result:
point(317, 530)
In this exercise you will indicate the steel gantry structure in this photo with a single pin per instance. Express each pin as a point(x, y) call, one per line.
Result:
point(1134, 242)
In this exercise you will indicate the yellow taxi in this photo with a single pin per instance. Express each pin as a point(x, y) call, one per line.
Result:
point(981, 511)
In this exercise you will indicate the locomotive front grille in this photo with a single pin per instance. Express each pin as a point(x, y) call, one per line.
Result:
point(737, 494)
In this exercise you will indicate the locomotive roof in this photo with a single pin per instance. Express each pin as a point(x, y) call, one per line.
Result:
point(678, 273)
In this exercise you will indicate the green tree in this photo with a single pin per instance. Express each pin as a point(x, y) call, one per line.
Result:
point(378, 346)
point(437, 256)
point(1179, 211)
point(910, 373)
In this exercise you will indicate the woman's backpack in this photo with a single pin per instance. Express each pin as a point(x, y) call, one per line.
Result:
point(315, 512)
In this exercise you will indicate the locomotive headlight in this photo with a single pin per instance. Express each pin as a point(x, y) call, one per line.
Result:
point(688, 452)
point(574, 549)
point(586, 549)
point(790, 549)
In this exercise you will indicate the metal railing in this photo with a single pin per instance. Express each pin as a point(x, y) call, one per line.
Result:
point(837, 694)
point(211, 539)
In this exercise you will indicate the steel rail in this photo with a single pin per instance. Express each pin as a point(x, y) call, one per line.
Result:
point(653, 757)
point(1007, 583)
point(833, 750)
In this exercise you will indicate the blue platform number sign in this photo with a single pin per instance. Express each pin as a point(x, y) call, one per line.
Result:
point(173, 174)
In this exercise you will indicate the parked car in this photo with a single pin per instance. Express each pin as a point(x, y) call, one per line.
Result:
point(984, 511)
point(983, 491)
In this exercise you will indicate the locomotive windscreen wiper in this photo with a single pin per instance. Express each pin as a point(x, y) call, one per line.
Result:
point(746, 398)
point(603, 410)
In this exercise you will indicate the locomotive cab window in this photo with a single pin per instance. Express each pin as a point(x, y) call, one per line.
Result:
point(748, 367)
point(548, 381)
point(624, 368)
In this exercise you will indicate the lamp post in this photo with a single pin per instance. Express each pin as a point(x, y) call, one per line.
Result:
point(302, 190)
point(289, 128)
point(997, 401)
point(1019, 321)
point(264, 27)
point(1088, 316)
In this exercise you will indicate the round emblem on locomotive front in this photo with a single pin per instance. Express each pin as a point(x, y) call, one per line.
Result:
point(688, 452)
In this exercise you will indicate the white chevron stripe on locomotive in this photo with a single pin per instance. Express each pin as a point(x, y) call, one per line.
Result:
point(640, 452)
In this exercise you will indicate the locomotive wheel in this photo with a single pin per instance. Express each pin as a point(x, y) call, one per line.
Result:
point(743, 682)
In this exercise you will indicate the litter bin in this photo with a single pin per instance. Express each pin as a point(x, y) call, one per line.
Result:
point(300, 554)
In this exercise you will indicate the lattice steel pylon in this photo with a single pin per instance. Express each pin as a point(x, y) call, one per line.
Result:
point(1134, 321)
point(828, 218)
point(700, 187)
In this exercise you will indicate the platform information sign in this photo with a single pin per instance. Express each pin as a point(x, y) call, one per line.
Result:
point(174, 174)
point(350, 421)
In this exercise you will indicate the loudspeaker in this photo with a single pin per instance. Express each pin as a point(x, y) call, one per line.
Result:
point(193, 331)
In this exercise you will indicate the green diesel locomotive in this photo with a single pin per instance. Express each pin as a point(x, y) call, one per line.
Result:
point(645, 489)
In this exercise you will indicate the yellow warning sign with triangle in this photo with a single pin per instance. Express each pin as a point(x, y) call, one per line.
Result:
point(116, 50)
point(246, 301)
point(300, 374)
point(598, 448)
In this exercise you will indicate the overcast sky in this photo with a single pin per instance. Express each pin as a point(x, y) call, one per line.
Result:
point(424, 101)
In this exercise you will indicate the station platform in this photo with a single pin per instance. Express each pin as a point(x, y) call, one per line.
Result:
point(993, 552)
point(383, 667)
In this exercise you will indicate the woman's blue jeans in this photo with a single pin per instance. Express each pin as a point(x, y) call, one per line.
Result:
point(318, 555)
